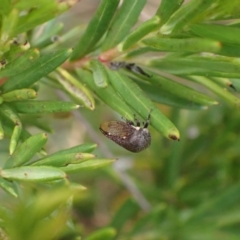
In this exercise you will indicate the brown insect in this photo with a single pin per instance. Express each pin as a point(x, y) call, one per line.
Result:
point(128, 135)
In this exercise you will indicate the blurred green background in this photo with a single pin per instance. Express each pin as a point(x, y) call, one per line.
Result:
point(186, 190)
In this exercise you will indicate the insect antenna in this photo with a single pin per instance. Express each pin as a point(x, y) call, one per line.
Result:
point(148, 120)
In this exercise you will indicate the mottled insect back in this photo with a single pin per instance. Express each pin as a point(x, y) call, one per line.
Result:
point(132, 137)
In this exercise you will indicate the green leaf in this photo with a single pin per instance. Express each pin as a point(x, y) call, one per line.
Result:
point(159, 95)
point(179, 90)
point(224, 82)
point(40, 68)
point(86, 148)
point(9, 23)
point(96, 28)
point(136, 98)
point(99, 73)
point(88, 165)
point(185, 14)
point(21, 94)
point(57, 160)
point(20, 64)
point(15, 138)
point(16, 50)
point(231, 99)
point(33, 107)
point(211, 66)
point(39, 14)
point(122, 23)
point(167, 8)
point(9, 113)
point(140, 32)
point(221, 33)
point(106, 233)
point(107, 95)
point(8, 129)
point(182, 45)
point(44, 37)
point(8, 187)
point(76, 89)
point(35, 174)
point(26, 150)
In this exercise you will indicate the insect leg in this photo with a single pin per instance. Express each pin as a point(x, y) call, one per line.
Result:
point(137, 121)
point(148, 120)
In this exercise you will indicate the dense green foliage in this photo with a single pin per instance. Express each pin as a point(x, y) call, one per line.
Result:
point(185, 68)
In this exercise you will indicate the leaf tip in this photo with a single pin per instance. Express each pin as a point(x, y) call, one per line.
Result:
point(232, 86)
point(174, 137)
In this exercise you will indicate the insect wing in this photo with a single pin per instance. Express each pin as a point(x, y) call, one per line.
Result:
point(116, 128)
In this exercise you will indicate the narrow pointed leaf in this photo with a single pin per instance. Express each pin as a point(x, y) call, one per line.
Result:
point(140, 32)
point(159, 95)
point(99, 73)
point(51, 29)
point(8, 24)
point(88, 165)
point(124, 20)
point(167, 8)
point(107, 95)
point(21, 94)
point(225, 82)
point(86, 147)
point(26, 150)
point(63, 160)
point(179, 90)
point(222, 33)
point(35, 173)
point(43, 12)
point(75, 89)
point(34, 107)
point(231, 99)
point(211, 66)
point(183, 45)
point(8, 187)
point(40, 68)
point(96, 28)
point(10, 113)
point(20, 64)
point(14, 138)
point(185, 14)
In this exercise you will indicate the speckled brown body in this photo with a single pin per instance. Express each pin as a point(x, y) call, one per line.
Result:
point(125, 134)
